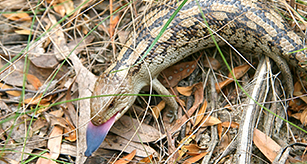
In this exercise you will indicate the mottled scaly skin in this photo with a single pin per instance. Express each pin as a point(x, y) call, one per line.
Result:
point(247, 25)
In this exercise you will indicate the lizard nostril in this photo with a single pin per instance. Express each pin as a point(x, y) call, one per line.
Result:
point(99, 121)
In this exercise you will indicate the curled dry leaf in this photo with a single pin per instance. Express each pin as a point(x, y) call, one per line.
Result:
point(194, 149)
point(186, 91)
point(46, 160)
point(198, 96)
point(219, 130)
point(232, 124)
point(298, 92)
point(72, 136)
point(13, 93)
point(157, 109)
point(301, 116)
point(65, 123)
point(209, 121)
point(18, 16)
point(36, 83)
point(185, 140)
point(238, 73)
point(43, 102)
point(297, 87)
point(113, 24)
point(228, 106)
point(201, 113)
point(23, 32)
point(126, 159)
point(57, 113)
point(63, 7)
point(69, 6)
point(195, 158)
point(38, 124)
point(147, 159)
point(297, 105)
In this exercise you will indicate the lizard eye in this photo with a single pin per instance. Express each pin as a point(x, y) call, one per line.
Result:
point(111, 105)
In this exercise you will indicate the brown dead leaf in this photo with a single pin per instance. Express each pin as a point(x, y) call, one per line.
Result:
point(72, 136)
point(213, 62)
point(36, 100)
point(54, 143)
point(209, 121)
point(113, 24)
point(147, 159)
point(198, 95)
point(63, 7)
point(266, 145)
point(193, 149)
point(126, 159)
point(182, 102)
point(297, 87)
point(304, 98)
point(45, 161)
point(65, 123)
point(198, 99)
point(70, 111)
point(232, 125)
point(23, 32)
point(44, 61)
point(157, 109)
point(298, 92)
point(228, 106)
point(219, 130)
point(57, 113)
point(69, 6)
point(201, 113)
point(13, 93)
point(301, 116)
point(238, 73)
point(60, 9)
point(186, 91)
point(115, 142)
point(185, 140)
point(297, 105)
point(38, 124)
point(18, 16)
point(36, 83)
point(124, 128)
point(195, 158)
point(178, 72)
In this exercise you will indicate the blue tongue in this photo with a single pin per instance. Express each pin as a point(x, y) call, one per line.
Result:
point(96, 134)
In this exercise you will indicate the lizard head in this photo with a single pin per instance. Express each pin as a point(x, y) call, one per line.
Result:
point(108, 104)
point(112, 98)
